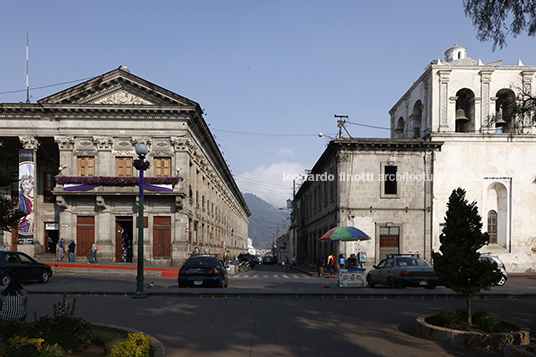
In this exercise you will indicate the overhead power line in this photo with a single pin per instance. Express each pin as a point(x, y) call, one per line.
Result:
point(47, 86)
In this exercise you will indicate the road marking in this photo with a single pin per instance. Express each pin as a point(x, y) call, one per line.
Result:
point(285, 276)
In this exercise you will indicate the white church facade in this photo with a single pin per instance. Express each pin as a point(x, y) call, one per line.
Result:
point(453, 128)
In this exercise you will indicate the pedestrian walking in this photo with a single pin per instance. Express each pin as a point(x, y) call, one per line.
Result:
point(94, 250)
point(196, 251)
point(61, 249)
point(14, 301)
point(71, 247)
point(331, 264)
point(286, 264)
point(320, 265)
point(294, 260)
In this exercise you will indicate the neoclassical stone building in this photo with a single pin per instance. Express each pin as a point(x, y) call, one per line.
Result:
point(83, 143)
point(455, 125)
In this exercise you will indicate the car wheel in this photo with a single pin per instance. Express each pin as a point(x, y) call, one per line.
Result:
point(226, 283)
point(391, 283)
point(370, 282)
point(6, 279)
point(502, 281)
point(44, 277)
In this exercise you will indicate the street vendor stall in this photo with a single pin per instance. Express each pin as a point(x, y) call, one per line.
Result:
point(350, 275)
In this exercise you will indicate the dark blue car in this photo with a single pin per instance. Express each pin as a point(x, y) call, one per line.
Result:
point(208, 271)
point(21, 266)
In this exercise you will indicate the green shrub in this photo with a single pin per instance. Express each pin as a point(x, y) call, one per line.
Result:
point(137, 345)
point(487, 322)
point(71, 333)
point(448, 317)
point(483, 320)
point(10, 329)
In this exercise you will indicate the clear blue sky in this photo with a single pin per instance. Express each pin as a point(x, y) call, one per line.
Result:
point(270, 74)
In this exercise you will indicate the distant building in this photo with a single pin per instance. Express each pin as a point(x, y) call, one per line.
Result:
point(453, 128)
point(78, 146)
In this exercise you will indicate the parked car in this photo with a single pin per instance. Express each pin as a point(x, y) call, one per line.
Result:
point(267, 259)
point(21, 266)
point(500, 267)
point(400, 270)
point(249, 257)
point(203, 271)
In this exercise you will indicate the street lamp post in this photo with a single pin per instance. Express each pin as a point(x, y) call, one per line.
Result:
point(141, 165)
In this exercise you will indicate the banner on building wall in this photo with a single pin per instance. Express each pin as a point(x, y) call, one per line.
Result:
point(26, 195)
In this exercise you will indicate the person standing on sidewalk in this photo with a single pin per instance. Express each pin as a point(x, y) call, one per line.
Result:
point(94, 250)
point(331, 264)
point(294, 260)
point(14, 301)
point(320, 265)
point(72, 246)
point(61, 250)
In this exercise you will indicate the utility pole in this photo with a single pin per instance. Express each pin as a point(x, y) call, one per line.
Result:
point(340, 124)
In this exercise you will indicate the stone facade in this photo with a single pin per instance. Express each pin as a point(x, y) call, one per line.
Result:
point(377, 185)
point(461, 111)
point(89, 132)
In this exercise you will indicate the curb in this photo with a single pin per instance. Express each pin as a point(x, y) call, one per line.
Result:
point(474, 340)
point(331, 295)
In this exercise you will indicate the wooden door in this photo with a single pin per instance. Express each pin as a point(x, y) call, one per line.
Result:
point(14, 239)
point(85, 234)
point(162, 237)
point(389, 241)
point(123, 239)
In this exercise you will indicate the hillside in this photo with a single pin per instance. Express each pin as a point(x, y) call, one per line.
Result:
point(265, 221)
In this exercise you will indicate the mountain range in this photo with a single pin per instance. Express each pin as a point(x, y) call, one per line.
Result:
point(266, 222)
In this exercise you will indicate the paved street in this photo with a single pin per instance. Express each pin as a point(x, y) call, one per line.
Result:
point(282, 327)
point(267, 312)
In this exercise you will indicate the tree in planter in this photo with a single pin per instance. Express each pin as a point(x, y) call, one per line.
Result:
point(458, 266)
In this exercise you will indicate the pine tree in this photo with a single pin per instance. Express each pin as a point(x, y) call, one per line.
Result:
point(458, 266)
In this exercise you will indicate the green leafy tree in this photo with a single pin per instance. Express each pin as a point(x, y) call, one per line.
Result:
point(458, 266)
point(491, 17)
point(9, 215)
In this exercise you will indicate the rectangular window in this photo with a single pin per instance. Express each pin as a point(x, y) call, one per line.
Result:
point(123, 166)
point(390, 184)
point(492, 227)
point(162, 167)
point(48, 185)
point(86, 166)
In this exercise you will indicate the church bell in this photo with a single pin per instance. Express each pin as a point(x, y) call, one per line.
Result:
point(460, 117)
point(499, 122)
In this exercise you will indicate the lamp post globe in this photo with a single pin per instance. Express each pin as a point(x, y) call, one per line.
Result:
point(142, 150)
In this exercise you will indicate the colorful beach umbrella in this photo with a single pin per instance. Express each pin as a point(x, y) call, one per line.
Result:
point(344, 234)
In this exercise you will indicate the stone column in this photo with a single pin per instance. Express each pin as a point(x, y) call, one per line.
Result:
point(485, 95)
point(29, 142)
point(443, 99)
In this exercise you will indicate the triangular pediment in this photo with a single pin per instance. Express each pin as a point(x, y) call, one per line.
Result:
point(117, 87)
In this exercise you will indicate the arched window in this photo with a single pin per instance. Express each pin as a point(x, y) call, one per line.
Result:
point(416, 120)
point(492, 226)
point(465, 110)
point(505, 105)
point(400, 128)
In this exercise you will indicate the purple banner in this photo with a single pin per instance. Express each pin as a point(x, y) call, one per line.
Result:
point(26, 195)
point(79, 187)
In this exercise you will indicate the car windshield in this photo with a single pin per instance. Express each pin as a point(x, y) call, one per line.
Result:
point(411, 262)
point(202, 261)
